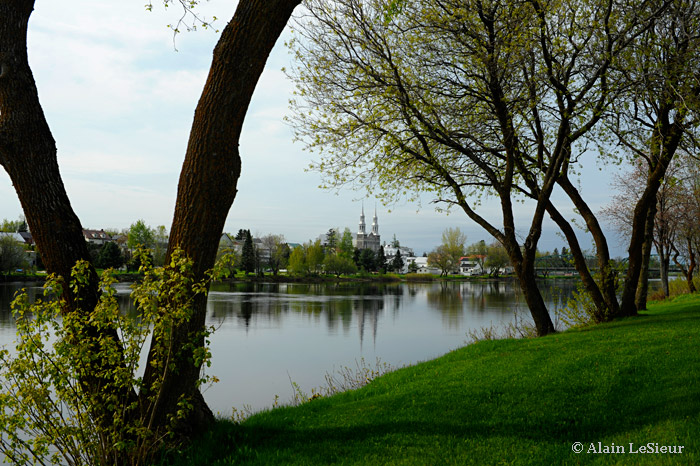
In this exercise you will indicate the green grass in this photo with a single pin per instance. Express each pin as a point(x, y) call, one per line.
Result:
point(500, 402)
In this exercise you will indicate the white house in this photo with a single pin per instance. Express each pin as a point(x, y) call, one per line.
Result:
point(422, 264)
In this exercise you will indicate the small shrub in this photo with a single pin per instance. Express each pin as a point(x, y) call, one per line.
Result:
point(72, 394)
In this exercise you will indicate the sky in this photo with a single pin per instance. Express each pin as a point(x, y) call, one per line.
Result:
point(119, 93)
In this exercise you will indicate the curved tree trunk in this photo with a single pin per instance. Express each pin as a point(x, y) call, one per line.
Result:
point(525, 270)
point(607, 280)
point(207, 183)
point(209, 177)
point(28, 153)
point(602, 312)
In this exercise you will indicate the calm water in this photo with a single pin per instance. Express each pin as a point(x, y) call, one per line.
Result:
point(270, 333)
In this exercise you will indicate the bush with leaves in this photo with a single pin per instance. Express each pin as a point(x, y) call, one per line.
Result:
point(49, 414)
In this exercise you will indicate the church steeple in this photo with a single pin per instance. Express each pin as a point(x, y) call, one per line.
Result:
point(362, 221)
point(375, 223)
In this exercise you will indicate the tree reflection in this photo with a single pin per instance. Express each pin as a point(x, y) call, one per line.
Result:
point(339, 307)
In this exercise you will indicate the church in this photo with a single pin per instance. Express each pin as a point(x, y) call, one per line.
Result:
point(371, 240)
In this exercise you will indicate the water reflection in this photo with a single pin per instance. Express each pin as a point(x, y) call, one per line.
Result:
point(337, 305)
point(268, 333)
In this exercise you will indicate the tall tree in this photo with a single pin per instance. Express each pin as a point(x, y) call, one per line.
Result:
point(315, 256)
point(397, 262)
point(345, 247)
point(460, 100)
point(654, 118)
point(206, 189)
point(141, 235)
point(248, 253)
point(278, 252)
point(12, 254)
point(380, 260)
point(478, 252)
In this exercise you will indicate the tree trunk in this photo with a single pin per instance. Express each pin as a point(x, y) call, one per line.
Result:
point(643, 285)
point(209, 177)
point(607, 280)
point(525, 270)
point(664, 142)
point(207, 183)
point(602, 312)
point(663, 269)
point(28, 154)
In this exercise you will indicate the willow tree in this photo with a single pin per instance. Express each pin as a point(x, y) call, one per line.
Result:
point(206, 189)
point(460, 100)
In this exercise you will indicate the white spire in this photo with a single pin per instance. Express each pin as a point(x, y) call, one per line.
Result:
point(375, 222)
point(362, 220)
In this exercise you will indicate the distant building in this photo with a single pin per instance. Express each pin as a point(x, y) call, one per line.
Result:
point(371, 240)
point(471, 265)
point(96, 236)
point(405, 252)
point(422, 265)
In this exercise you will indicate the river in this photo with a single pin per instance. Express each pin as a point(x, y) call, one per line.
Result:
point(271, 334)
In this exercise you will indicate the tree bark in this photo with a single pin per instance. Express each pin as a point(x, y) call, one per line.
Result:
point(607, 280)
point(209, 177)
point(602, 311)
point(207, 184)
point(664, 143)
point(28, 154)
point(643, 285)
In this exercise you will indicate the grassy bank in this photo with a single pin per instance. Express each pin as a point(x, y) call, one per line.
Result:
point(502, 402)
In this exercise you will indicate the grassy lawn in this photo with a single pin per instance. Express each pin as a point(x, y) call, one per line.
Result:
point(501, 402)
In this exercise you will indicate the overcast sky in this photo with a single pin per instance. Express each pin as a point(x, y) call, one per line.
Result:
point(120, 100)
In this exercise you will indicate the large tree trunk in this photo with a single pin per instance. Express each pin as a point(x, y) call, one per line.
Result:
point(664, 143)
point(643, 285)
point(525, 270)
point(209, 177)
point(207, 184)
point(28, 153)
point(607, 280)
point(602, 312)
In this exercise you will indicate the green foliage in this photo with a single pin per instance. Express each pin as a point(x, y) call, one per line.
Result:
point(315, 256)
point(496, 258)
point(339, 265)
point(71, 393)
point(12, 254)
point(346, 248)
point(141, 236)
point(366, 260)
point(446, 256)
point(397, 262)
point(110, 256)
point(248, 253)
point(297, 261)
point(580, 310)
point(380, 260)
point(13, 226)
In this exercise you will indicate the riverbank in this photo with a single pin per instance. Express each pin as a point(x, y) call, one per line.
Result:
point(626, 392)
